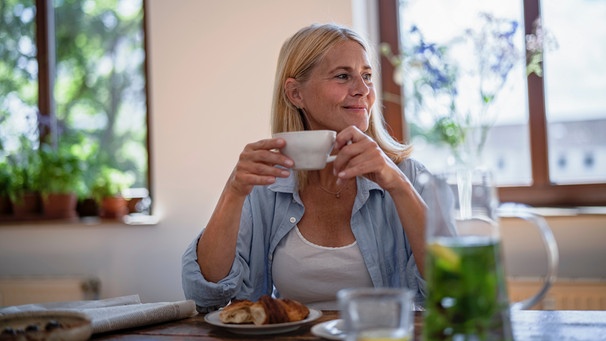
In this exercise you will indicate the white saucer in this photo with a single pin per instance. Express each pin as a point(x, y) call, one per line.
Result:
point(331, 330)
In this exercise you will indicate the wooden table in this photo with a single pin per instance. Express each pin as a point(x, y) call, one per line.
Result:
point(528, 325)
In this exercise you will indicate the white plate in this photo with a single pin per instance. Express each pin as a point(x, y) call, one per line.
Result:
point(251, 329)
point(332, 330)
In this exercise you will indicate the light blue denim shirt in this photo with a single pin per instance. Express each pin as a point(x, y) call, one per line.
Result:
point(270, 212)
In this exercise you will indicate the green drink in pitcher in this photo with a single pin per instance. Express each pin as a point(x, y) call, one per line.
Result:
point(466, 284)
point(467, 297)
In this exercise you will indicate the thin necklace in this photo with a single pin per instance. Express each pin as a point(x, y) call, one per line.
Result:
point(337, 194)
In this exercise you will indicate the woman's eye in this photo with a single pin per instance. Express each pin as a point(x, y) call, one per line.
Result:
point(367, 77)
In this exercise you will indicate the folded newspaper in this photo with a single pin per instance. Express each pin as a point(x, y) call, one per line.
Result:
point(116, 313)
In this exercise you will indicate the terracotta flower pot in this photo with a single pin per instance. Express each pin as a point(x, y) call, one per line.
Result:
point(113, 208)
point(60, 206)
point(29, 206)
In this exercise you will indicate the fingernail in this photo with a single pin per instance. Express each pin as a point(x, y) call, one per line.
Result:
point(289, 163)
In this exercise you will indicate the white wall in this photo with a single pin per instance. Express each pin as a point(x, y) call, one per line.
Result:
point(211, 65)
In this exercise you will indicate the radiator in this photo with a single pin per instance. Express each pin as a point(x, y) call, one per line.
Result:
point(564, 294)
point(26, 290)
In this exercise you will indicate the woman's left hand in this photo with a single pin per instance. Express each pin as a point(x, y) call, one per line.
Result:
point(360, 155)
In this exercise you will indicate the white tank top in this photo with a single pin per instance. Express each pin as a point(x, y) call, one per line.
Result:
point(312, 274)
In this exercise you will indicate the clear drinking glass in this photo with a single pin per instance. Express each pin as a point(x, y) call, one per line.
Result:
point(377, 314)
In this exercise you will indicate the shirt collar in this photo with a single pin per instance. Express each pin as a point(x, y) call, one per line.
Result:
point(285, 185)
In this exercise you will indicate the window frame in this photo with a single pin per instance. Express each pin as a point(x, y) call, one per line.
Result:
point(46, 70)
point(541, 192)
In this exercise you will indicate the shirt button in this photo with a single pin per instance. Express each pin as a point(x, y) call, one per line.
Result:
point(293, 219)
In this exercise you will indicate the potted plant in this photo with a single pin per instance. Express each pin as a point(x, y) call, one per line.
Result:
point(5, 181)
point(21, 188)
point(89, 152)
point(107, 190)
point(59, 180)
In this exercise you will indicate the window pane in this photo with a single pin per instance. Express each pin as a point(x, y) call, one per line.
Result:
point(18, 75)
point(432, 27)
point(575, 90)
point(100, 80)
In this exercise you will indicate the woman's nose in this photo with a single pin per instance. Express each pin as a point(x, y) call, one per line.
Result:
point(360, 87)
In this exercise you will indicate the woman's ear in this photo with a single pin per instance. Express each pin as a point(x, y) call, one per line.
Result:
point(291, 87)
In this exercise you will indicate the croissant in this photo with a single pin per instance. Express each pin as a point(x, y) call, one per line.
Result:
point(267, 310)
point(238, 311)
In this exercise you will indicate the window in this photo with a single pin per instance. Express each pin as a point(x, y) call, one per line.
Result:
point(546, 147)
point(74, 71)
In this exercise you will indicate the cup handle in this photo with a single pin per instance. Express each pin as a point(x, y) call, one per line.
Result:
point(330, 158)
point(515, 210)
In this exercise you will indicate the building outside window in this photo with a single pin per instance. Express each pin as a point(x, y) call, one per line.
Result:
point(544, 143)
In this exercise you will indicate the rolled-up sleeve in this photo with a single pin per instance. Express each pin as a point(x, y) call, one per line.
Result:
point(208, 296)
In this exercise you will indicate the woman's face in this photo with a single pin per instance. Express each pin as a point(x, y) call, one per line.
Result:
point(339, 92)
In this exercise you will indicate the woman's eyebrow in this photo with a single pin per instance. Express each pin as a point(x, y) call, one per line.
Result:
point(350, 69)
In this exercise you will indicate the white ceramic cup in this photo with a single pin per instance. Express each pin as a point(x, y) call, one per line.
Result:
point(377, 313)
point(309, 149)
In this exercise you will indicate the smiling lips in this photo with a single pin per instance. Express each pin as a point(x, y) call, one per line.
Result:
point(355, 107)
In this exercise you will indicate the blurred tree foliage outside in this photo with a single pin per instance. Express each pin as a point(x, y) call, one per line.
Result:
point(100, 80)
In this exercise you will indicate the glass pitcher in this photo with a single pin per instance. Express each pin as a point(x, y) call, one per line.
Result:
point(466, 281)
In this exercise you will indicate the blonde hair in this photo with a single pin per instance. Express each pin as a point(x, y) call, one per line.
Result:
point(298, 56)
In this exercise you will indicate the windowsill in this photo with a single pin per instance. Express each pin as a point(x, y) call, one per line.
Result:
point(129, 220)
point(570, 211)
point(151, 220)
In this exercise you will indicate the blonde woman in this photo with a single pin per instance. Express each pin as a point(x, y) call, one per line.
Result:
point(359, 222)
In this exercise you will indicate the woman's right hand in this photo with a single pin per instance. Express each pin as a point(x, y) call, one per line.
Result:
point(257, 166)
